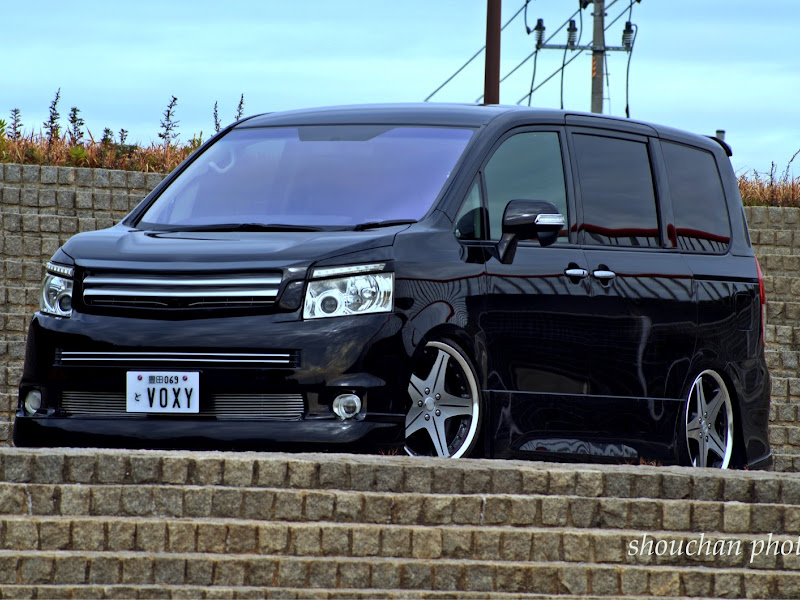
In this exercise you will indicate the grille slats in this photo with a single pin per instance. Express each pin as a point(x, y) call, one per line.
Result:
point(186, 291)
point(93, 280)
point(279, 407)
point(288, 358)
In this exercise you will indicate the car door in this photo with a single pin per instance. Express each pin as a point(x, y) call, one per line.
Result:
point(534, 315)
point(643, 304)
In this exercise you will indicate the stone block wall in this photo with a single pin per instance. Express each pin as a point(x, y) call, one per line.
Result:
point(42, 207)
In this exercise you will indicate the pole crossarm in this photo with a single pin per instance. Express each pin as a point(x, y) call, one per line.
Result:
point(587, 48)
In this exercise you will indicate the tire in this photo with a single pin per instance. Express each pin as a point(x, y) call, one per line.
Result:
point(446, 410)
point(706, 437)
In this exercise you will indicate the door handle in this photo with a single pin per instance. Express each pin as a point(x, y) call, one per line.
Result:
point(576, 273)
point(604, 275)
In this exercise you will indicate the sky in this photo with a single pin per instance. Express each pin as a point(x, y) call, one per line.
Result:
point(696, 65)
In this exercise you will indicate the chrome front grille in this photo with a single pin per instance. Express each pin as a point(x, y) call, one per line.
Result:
point(284, 407)
point(276, 407)
point(277, 359)
point(183, 291)
point(98, 403)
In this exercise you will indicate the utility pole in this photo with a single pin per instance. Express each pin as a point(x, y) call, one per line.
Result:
point(598, 47)
point(491, 81)
point(598, 56)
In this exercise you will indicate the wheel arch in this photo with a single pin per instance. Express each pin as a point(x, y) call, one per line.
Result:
point(473, 345)
point(709, 360)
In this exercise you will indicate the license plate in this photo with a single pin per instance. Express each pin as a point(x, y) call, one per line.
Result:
point(163, 392)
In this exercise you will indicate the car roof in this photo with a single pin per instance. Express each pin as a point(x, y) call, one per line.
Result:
point(460, 115)
point(464, 115)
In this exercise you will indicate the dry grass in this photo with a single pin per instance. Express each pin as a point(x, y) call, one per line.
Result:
point(36, 150)
point(758, 190)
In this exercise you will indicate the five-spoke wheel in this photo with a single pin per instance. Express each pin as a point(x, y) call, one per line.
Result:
point(709, 422)
point(444, 418)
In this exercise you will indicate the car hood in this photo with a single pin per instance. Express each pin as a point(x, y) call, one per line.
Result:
point(121, 247)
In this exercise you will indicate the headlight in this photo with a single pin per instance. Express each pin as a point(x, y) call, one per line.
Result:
point(56, 298)
point(357, 294)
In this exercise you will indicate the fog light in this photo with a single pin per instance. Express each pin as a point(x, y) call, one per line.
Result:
point(33, 401)
point(347, 406)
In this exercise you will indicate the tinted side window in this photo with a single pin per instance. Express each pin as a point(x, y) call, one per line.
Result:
point(698, 202)
point(527, 166)
point(619, 203)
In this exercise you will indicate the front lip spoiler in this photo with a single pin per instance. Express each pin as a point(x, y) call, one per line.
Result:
point(196, 434)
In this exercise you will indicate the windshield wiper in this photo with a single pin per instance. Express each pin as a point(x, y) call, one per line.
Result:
point(240, 227)
point(389, 223)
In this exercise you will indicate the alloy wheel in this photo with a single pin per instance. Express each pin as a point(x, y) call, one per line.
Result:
point(709, 422)
point(445, 404)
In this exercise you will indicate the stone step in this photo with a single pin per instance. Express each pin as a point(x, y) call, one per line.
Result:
point(109, 535)
point(135, 569)
point(281, 593)
point(339, 473)
point(145, 523)
point(379, 508)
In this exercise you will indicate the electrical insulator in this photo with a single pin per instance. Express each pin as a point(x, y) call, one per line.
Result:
point(627, 36)
point(539, 29)
point(572, 33)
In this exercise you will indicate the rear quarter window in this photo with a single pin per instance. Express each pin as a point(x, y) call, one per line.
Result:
point(698, 201)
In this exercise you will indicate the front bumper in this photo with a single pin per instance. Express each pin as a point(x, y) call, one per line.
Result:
point(152, 433)
point(87, 358)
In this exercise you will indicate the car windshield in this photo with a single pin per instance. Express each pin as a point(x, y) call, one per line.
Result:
point(320, 176)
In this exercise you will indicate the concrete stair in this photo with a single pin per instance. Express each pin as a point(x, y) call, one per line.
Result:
point(101, 523)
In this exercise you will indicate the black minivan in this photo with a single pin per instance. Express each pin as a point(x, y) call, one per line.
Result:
point(449, 280)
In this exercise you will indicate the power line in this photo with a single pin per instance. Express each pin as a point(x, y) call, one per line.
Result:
point(527, 58)
point(563, 62)
point(619, 16)
point(534, 54)
point(556, 72)
point(533, 78)
point(474, 56)
point(608, 81)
